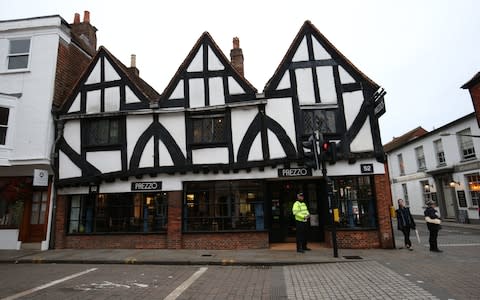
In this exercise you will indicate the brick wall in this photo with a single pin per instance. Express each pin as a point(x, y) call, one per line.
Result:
point(116, 241)
point(354, 239)
point(475, 94)
point(226, 240)
point(174, 227)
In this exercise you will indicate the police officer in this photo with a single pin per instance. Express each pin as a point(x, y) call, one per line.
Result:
point(300, 211)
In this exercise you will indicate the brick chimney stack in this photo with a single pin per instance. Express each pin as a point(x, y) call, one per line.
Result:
point(236, 56)
point(133, 65)
point(84, 33)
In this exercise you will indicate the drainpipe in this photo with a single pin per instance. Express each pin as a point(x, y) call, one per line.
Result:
point(60, 125)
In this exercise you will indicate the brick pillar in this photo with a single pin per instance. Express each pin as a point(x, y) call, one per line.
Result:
point(174, 227)
point(60, 222)
point(383, 210)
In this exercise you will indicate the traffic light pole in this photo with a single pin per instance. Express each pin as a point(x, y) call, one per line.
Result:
point(332, 203)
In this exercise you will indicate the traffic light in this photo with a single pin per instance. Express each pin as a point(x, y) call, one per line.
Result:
point(311, 155)
point(329, 151)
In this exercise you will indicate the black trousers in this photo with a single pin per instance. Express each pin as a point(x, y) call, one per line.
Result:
point(433, 238)
point(406, 236)
point(301, 235)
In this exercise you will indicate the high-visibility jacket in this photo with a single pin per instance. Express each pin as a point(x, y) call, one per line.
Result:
point(300, 211)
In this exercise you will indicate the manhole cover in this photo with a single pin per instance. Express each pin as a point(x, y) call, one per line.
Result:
point(352, 257)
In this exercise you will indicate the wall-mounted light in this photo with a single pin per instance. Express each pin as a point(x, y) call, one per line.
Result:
point(454, 184)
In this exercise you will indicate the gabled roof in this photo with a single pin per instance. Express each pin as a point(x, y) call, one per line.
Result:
point(146, 93)
point(475, 79)
point(182, 72)
point(403, 139)
point(309, 28)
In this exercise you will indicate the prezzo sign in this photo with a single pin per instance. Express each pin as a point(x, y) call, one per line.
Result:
point(294, 172)
point(147, 186)
point(366, 168)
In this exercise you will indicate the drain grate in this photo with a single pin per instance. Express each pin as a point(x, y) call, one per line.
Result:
point(352, 257)
point(206, 255)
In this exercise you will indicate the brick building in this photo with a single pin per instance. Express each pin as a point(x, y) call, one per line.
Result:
point(210, 163)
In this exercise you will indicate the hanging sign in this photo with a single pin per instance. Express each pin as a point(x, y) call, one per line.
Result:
point(40, 177)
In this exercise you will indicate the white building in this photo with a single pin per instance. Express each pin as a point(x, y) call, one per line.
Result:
point(442, 165)
point(35, 56)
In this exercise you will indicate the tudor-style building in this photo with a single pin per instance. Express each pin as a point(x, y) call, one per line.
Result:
point(210, 162)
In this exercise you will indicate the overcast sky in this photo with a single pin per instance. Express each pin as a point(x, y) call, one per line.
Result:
point(421, 52)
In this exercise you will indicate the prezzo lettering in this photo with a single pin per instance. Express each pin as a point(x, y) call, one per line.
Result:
point(147, 186)
point(294, 172)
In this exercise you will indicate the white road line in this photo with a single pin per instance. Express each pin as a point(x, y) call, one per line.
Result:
point(44, 286)
point(459, 245)
point(181, 288)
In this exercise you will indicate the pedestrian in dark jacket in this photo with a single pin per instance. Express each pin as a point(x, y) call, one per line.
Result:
point(405, 222)
point(433, 225)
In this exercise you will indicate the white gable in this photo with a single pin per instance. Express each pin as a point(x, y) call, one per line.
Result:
point(233, 87)
point(302, 52)
point(110, 73)
point(256, 152)
point(93, 101)
point(345, 76)
point(363, 141)
point(285, 81)
point(326, 84)
point(71, 134)
point(112, 99)
point(352, 103)
point(106, 161)
point(130, 96)
point(165, 158)
point(197, 63)
point(197, 92)
point(94, 76)
point(318, 51)
point(216, 92)
point(178, 92)
point(214, 63)
point(75, 107)
point(305, 88)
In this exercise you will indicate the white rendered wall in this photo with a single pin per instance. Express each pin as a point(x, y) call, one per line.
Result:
point(241, 120)
point(280, 110)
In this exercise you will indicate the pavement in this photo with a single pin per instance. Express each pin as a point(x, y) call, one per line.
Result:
point(277, 254)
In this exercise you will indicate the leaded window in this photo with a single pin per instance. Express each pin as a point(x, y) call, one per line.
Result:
point(103, 132)
point(209, 129)
point(323, 120)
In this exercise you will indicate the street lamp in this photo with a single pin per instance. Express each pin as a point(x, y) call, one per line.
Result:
point(459, 134)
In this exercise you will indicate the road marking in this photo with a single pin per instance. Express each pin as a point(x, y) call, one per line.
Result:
point(44, 286)
point(181, 288)
point(459, 245)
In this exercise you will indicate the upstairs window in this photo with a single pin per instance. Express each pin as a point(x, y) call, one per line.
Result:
point(420, 155)
point(4, 112)
point(323, 120)
point(439, 153)
point(209, 129)
point(18, 54)
point(405, 194)
point(401, 165)
point(103, 132)
point(465, 141)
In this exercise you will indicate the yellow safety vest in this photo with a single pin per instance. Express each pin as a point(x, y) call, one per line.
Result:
point(300, 211)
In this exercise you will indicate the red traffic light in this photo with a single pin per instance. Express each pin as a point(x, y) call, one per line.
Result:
point(325, 146)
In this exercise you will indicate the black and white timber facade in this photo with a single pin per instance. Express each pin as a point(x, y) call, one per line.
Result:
point(211, 155)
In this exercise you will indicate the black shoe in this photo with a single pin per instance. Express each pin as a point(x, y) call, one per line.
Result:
point(300, 251)
point(307, 249)
point(436, 250)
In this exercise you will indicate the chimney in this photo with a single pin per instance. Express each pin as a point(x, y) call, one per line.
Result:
point(133, 65)
point(84, 33)
point(236, 56)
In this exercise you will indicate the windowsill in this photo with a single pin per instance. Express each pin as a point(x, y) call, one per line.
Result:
point(468, 159)
point(441, 165)
point(422, 170)
point(472, 208)
point(15, 71)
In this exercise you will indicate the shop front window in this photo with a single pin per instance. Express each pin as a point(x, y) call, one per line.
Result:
point(14, 192)
point(356, 202)
point(129, 212)
point(223, 206)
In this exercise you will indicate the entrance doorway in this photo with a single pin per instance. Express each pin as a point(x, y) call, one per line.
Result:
point(448, 206)
point(36, 215)
point(281, 195)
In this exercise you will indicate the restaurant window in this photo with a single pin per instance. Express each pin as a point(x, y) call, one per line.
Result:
point(465, 141)
point(18, 53)
point(474, 188)
point(127, 212)
point(103, 132)
point(356, 202)
point(14, 192)
point(223, 206)
point(426, 191)
point(209, 129)
point(319, 119)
